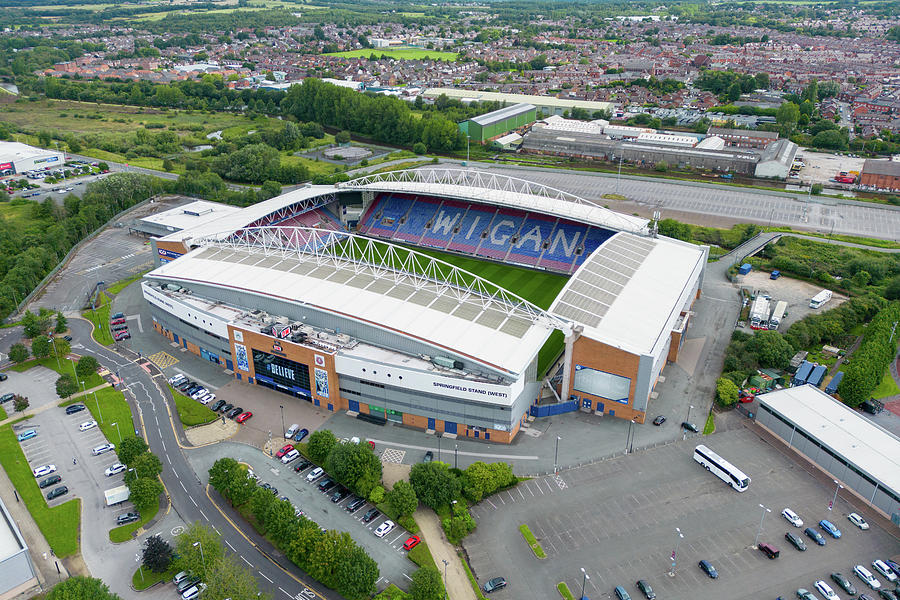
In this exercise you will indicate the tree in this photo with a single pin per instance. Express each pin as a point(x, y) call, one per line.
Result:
point(354, 465)
point(130, 448)
point(34, 325)
point(18, 352)
point(403, 498)
point(342, 137)
point(168, 165)
point(281, 523)
point(833, 139)
point(60, 347)
point(145, 492)
point(20, 403)
point(40, 346)
point(157, 554)
point(226, 578)
point(87, 365)
point(771, 349)
point(419, 148)
point(320, 444)
point(734, 92)
point(82, 588)
point(434, 484)
point(891, 292)
point(145, 465)
point(189, 557)
point(62, 323)
point(269, 189)
point(787, 116)
point(66, 385)
point(726, 391)
point(426, 584)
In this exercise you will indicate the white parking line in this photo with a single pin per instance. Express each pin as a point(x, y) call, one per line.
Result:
point(549, 487)
point(396, 538)
point(174, 471)
point(520, 492)
point(204, 514)
point(283, 590)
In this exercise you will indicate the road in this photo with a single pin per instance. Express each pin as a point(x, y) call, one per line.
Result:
point(185, 489)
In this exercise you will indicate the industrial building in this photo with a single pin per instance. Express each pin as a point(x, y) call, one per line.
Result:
point(181, 217)
point(880, 175)
point(776, 159)
point(16, 158)
point(285, 296)
point(855, 451)
point(744, 138)
point(492, 125)
point(17, 572)
point(548, 105)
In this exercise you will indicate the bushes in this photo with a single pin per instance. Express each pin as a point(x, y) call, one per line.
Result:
point(873, 357)
point(459, 524)
point(726, 391)
point(481, 479)
point(829, 326)
point(434, 484)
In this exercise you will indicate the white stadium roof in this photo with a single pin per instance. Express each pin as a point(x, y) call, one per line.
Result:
point(190, 215)
point(842, 429)
point(372, 282)
point(629, 290)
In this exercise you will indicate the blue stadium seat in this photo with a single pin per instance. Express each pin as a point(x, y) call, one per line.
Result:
point(472, 225)
point(386, 216)
point(566, 238)
point(504, 227)
point(419, 215)
point(529, 245)
point(445, 220)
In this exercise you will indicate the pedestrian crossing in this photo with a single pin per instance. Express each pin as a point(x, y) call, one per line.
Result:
point(393, 455)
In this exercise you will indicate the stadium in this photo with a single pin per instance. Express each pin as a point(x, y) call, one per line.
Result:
point(453, 301)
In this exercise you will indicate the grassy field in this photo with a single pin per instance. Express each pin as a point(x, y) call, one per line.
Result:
point(190, 411)
point(3, 414)
point(60, 524)
point(887, 387)
point(100, 319)
point(144, 578)
point(112, 409)
point(399, 53)
point(124, 533)
point(121, 285)
point(17, 216)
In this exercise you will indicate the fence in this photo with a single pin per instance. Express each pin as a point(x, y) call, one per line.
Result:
point(550, 410)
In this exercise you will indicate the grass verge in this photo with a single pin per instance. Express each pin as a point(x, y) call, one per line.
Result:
point(124, 283)
point(532, 541)
point(144, 578)
point(100, 318)
point(3, 414)
point(60, 525)
point(421, 555)
point(123, 533)
point(112, 409)
point(563, 590)
point(475, 587)
point(887, 387)
point(710, 426)
point(190, 411)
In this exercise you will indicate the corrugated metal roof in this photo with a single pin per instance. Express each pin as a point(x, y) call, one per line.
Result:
point(506, 112)
point(881, 167)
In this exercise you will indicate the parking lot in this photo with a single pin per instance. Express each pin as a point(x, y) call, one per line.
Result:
point(617, 519)
point(795, 292)
point(36, 384)
point(822, 167)
point(388, 551)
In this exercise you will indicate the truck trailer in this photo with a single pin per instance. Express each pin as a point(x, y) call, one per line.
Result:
point(759, 313)
point(117, 495)
point(778, 314)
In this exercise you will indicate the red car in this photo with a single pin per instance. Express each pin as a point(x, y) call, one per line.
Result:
point(287, 448)
point(411, 543)
point(244, 416)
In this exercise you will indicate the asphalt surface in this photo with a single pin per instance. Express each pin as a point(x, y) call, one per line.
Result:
point(187, 492)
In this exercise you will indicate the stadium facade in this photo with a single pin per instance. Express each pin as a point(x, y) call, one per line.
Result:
point(323, 294)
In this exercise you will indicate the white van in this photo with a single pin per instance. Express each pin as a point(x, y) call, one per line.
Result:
point(314, 474)
point(290, 456)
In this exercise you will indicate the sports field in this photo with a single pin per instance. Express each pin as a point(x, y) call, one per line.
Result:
point(400, 53)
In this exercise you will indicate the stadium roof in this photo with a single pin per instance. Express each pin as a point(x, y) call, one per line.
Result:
point(630, 289)
point(499, 189)
point(378, 284)
point(190, 215)
point(503, 113)
point(837, 426)
point(540, 101)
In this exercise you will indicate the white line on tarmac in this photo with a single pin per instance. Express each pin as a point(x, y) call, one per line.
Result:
point(173, 470)
point(247, 561)
point(230, 546)
point(192, 500)
point(496, 456)
point(182, 486)
point(263, 574)
point(282, 589)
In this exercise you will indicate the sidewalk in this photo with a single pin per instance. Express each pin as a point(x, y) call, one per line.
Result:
point(458, 586)
point(40, 409)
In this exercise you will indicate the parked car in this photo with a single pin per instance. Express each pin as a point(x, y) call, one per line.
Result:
point(291, 431)
point(689, 426)
point(804, 594)
point(411, 542)
point(174, 380)
point(290, 457)
point(645, 589)
point(857, 520)
point(195, 395)
point(27, 435)
point(57, 492)
point(792, 517)
point(75, 408)
point(887, 594)
point(102, 449)
point(87, 425)
point(52, 480)
point(44, 470)
point(494, 584)
point(129, 517)
point(3, 376)
point(115, 469)
point(6, 398)
point(226, 409)
point(326, 484)
point(429, 456)
point(795, 541)
point(385, 528)
point(826, 590)
point(302, 465)
point(315, 474)
point(814, 536)
point(659, 420)
point(241, 418)
point(340, 495)
point(894, 567)
point(883, 568)
point(355, 504)
point(217, 405)
point(370, 515)
point(830, 528)
point(301, 435)
point(621, 594)
point(707, 568)
point(867, 577)
point(180, 577)
point(194, 592)
point(121, 335)
point(284, 450)
point(844, 583)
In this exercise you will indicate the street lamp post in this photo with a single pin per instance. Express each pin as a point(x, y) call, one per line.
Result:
point(136, 474)
point(281, 406)
point(833, 500)
point(675, 551)
point(690, 408)
point(55, 353)
point(456, 457)
point(117, 431)
point(203, 560)
point(629, 438)
point(556, 457)
point(759, 531)
point(445, 576)
point(584, 579)
point(439, 448)
point(97, 400)
point(619, 176)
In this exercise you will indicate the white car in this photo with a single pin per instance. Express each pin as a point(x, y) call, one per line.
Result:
point(867, 577)
point(115, 469)
point(176, 378)
point(87, 425)
point(199, 393)
point(792, 517)
point(885, 570)
point(290, 456)
point(193, 592)
point(858, 521)
point(209, 397)
point(385, 528)
point(826, 590)
point(291, 431)
point(102, 449)
point(315, 474)
point(44, 470)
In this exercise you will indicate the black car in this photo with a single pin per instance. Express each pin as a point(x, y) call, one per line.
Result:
point(887, 594)
point(184, 385)
point(429, 456)
point(689, 426)
point(49, 481)
point(265, 486)
point(235, 412)
point(370, 514)
point(355, 504)
point(327, 484)
point(75, 408)
point(707, 568)
point(68, 338)
point(3, 376)
point(844, 583)
point(645, 587)
point(130, 517)
point(274, 490)
point(217, 405)
point(814, 536)
point(57, 492)
point(795, 541)
point(6, 398)
point(226, 408)
point(340, 495)
point(187, 583)
point(304, 465)
point(494, 584)
point(119, 327)
point(659, 420)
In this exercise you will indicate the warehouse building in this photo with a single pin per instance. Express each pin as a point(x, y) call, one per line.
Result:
point(492, 125)
point(776, 160)
point(180, 218)
point(880, 175)
point(855, 451)
point(744, 138)
point(16, 158)
point(17, 572)
point(548, 105)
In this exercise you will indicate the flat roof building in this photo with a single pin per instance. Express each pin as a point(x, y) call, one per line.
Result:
point(854, 450)
point(18, 158)
point(497, 123)
point(17, 572)
point(182, 217)
point(549, 105)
